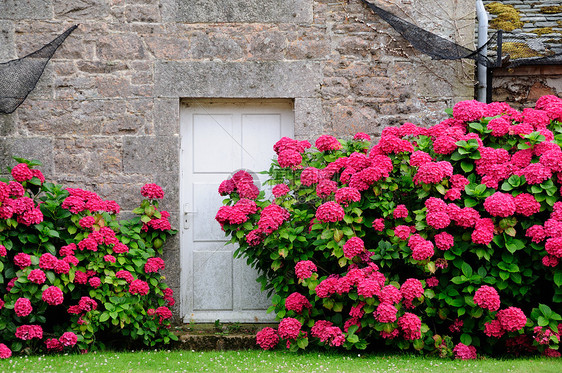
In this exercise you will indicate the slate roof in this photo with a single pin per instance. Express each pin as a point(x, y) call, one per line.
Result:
point(537, 39)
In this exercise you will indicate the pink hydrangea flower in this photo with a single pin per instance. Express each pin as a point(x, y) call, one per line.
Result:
point(280, 190)
point(330, 212)
point(487, 297)
point(304, 269)
point(22, 307)
point(289, 328)
point(494, 329)
point(400, 212)
point(327, 143)
point(289, 158)
point(139, 287)
point(154, 265)
point(483, 231)
point(402, 232)
point(410, 325)
point(297, 302)
point(500, 204)
point(267, 338)
point(511, 319)
point(354, 246)
point(37, 276)
point(464, 352)
point(68, 339)
point(378, 224)
point(361, 136)
point(27, 332)
point(386, 312)
point(325, 188)
point(152, 191)
point(126, 275)
point(22, 260)
point(22, 172)
point(53, 344)
point(272, 217)
point(444, 241)
point(411, 288)
point(53, 296)
point(346, 195)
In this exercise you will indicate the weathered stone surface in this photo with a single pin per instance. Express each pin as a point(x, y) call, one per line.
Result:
point(8, 125)
point(166, 117)
point(230, 11)
point(26, 9)
point(233, 79)
point(81, 9)
point(88, 156)
point(142, 13)
point(39, 148)
point(120, 47)
point(7, 41)
point(148, 154)
point(309, 118)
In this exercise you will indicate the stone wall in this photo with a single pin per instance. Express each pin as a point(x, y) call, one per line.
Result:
point(105, 114)
point(523, 85)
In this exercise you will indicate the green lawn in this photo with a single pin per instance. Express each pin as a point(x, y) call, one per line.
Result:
point(260, 361)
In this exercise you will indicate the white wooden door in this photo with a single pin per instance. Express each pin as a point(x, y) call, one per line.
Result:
point(217, 138)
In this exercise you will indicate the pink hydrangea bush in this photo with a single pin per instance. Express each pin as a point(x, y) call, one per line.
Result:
point(443, 238)
point(71, 273)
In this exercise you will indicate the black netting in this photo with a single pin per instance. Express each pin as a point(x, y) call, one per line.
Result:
point(431, 44)
point(19, 77)
point(525, 48)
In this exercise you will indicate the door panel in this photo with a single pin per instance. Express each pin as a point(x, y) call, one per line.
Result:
point(219, 137)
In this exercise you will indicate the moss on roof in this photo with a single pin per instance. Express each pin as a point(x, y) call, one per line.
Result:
point(507, 17)
point(545, 30)
point(551, 9)
point(519, 50)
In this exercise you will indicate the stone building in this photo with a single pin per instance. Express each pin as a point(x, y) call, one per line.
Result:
point(533, 39)
point(183, 92)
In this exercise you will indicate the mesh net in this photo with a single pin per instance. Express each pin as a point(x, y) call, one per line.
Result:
point(432, 44)
point(19, 77)
point(528, 49)
point(504, 49)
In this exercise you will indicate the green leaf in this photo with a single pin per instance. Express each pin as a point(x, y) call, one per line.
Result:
point(466, 339)
point(466, 269)
point(541, 321)
point(353, 338)
point(558, 279)
point(104, 317)
point(467, 166)
point(302, 343)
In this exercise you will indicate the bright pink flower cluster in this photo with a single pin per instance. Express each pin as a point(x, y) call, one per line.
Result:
point(304, 269)
point(346, 195)
point(271, 218)
point(22, 307)
point(500, 204)
point(267, 338)
point(280, 190)
point(410, 325)
point(139, 287)
point(289, 328)
point(152, 191)
point(487, 297)
point(386, 312)
point(53, 296)
point(326, 143)
point(154, 265)
point(353, 247)
point(242, 183)
point(464, 352)
point(80, 200)
point(511, 319)
point(297, 302)
point(330, 212)
point(411, 289)
point(27, 332)
point(5, 351)
point(126, 275)
point(326, 332)
point(37, 276)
